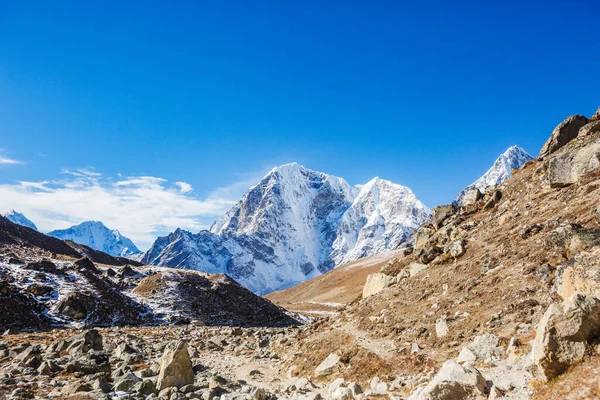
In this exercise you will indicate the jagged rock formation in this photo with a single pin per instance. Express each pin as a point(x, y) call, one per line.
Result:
point(18, 218)
point(513, 158)
point(97, 236)
point(294, 225)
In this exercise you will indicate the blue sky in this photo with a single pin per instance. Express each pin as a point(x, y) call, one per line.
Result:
point(214, 94)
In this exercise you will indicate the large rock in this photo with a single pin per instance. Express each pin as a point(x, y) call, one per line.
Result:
point(453, 382)
point(581, 274)
point(376, 283)
point(589, 129)
point(442, 213)
point(567, 168)
point(563, 134)
point(574, 238)
point(422, 236)
point(328, 366)
point(472, 196)
point(563, 333)
point(176, 367)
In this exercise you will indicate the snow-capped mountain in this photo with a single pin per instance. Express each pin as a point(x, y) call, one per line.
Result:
point(97, 236)
point(20, 219)
point(294, 225)
point(513, 158)
point(382, 216)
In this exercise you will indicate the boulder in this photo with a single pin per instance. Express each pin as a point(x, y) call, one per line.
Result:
point(483, 347)
point(472, 196)
point(441, 214)
point(328, 366)
point(412, 269)
point(422, 236)
point(589, 129)
point(562, 334)
point(494, 199)
point(83, 343)
point(581, 274)
point(455, 248)
point(574, 238)
point(375, 283)
point(441, 327)
point(176, 366)
point(452, 382)
point(563, 134)
point(567, 168)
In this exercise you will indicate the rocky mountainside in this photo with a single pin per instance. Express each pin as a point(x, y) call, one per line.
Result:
point(96, 235)
point(512, 159)
point(293, 225)
point(18, 218)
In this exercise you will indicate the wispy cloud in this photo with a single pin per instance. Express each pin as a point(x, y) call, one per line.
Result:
point(141, 207)
point(4, 160)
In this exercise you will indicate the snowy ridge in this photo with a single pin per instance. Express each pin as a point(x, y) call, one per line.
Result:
point(18, 218)
point(295, 224)
point(97, 236)
point(513, 158)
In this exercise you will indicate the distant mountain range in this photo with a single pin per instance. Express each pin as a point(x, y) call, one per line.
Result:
point(93, 234)
point(293, 225)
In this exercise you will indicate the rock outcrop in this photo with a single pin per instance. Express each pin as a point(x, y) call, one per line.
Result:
point(563, 333)
point(563, 134)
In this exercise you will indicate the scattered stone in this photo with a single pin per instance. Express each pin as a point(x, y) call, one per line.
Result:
point(456, 248)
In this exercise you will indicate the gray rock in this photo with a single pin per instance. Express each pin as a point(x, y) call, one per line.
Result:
point(562, 334)
point(472, 196)
point(567, 168)
point(589, 129)
point(452, 382)
point(422, 237)
point(455, 248)
point(126, 382)
point(563, 134)
point(441, 214)
point(328, 366)
point(493, 200)
point(375, 283)
point(176, 367)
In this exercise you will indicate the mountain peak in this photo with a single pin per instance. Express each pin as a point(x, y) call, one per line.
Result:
point(97, 236)
point(285, 229)
point(513, 158)
point(18, 218)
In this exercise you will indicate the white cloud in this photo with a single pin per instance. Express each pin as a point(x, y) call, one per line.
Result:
point(140, 207)
point(184, 187)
